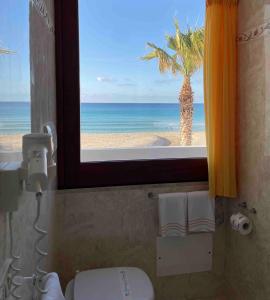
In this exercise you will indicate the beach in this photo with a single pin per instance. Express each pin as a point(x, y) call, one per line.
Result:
point(110, 125)
point(141, 139)
point(13, 142)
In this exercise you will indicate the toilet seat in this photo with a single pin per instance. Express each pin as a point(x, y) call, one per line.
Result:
point(69, 293)
point(110, 284)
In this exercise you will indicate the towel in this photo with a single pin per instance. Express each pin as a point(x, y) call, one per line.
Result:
point(52, 285)
point(201, 212)
point(173, 214)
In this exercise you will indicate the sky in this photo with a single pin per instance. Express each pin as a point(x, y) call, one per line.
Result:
point(113, 37)
point(14, 35)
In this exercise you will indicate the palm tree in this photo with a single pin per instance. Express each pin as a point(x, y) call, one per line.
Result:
point(187, 58)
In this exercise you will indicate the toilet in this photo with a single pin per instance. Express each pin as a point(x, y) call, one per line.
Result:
point(102, 284)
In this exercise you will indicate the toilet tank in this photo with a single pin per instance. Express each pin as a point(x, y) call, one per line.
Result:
point(112, 284)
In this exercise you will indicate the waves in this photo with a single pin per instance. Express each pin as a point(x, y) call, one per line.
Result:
point(14, 117)
point(107, 117)
point(135, 117)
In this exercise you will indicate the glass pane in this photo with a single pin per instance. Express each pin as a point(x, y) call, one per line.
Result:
point(130, 97)
point(14, 75)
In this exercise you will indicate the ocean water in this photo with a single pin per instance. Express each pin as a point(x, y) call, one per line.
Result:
point(14, 117)
point(107, 118)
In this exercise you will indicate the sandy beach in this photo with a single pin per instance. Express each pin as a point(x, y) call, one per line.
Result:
point(114, 140)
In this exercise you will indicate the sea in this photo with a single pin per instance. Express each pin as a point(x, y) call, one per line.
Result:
point(107, 117)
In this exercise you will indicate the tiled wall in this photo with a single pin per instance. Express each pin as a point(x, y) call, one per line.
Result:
point(247, 258)
point(108, 227)
point(43, 103)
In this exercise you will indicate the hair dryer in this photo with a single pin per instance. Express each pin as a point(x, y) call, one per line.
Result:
point(37, 158)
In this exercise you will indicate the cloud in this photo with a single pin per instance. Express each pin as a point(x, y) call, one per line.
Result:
point(166, 81)
point(105, 79)
point(127, 84)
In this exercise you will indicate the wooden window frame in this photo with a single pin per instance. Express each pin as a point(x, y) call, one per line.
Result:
point(72, 173)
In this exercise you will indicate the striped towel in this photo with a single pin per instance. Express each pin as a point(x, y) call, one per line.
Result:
point(173, 214)
point(201, 212)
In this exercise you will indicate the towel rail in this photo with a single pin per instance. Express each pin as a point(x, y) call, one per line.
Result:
point(151, 195)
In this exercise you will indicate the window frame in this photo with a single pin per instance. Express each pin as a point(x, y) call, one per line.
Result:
point(72, 173)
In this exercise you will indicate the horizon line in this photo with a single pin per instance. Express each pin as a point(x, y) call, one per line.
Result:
point(5, 101)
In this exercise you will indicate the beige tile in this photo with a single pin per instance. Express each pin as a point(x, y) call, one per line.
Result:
point(247, 258)
point(118, 226)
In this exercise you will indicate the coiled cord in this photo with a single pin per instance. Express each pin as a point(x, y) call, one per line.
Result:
point(40, 273)
point(14, 265)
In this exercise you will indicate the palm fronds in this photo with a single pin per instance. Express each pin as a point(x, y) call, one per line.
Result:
point(187, 50)
point(164, 59)
point(166, 62)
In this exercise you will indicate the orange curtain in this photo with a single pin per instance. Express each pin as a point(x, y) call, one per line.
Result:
point(220, 89)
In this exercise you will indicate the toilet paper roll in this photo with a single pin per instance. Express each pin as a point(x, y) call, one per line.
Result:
point(241, 224)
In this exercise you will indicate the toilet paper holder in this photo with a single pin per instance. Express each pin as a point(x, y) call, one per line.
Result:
point(245, 206)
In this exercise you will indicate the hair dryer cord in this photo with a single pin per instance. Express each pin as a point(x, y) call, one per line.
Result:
point(13, 267)
point(40, 273)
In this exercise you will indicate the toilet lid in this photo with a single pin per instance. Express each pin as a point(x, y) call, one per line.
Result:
point(113, 284)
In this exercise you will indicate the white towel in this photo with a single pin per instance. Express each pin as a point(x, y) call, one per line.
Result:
point(201, 212)
point(173, 214)
point(52, 285)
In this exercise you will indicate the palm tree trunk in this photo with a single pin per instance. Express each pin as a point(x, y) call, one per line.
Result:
point(186, 112)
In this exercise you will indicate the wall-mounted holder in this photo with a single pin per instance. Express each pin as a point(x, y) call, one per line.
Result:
point(245, 207)
point(38, 165)
point(10, 186)
point(151, 195)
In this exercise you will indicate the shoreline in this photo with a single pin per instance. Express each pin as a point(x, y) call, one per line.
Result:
point(114, 140)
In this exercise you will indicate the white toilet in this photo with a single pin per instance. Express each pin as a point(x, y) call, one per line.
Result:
point(102, 284)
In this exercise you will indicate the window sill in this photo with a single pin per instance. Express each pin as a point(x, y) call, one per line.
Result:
point(9, 156)
point(143, 153)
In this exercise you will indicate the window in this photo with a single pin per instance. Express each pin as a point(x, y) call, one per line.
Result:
point(14, 77)
point(118, 116)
